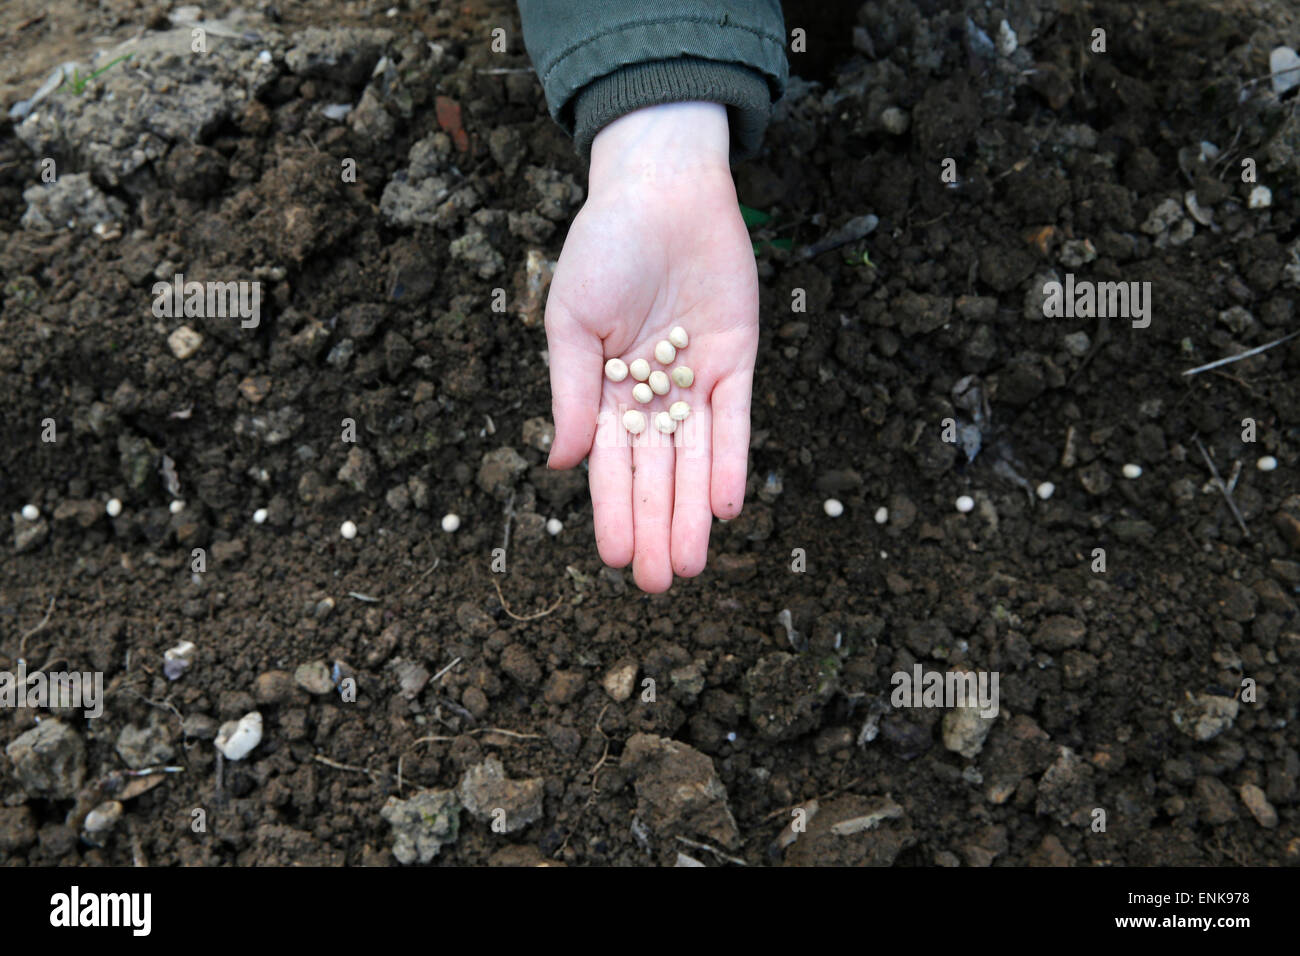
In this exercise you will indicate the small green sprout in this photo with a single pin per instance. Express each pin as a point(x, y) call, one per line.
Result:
point(77, 83)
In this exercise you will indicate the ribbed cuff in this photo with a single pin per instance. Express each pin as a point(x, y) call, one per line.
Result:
point(743, 91)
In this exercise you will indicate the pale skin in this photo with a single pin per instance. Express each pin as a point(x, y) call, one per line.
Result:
point(659, 243)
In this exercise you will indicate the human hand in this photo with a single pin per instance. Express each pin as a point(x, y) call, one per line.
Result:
point(659, 242)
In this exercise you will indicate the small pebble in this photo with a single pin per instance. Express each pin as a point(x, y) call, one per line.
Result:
point(678, 337)
point(1261, 197)
point(1132, 471)
point(665, 352)
point(965, 503)
point(554, 526)
point(639, 369)
point(259, 516)
point(31, 512)
point(833, 507)
point(1045, 490)
point(679, 411)
point(176, 507)
point(642, 393)
point(634, 421)
point(450, 523)
point(114, 507)
point(882, 515)
point(616, 370)
point(348, 530)
point(1267, 463)
point(665, 423)
point(659, 383)
point(683, 377)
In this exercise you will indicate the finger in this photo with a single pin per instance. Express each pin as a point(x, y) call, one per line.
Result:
point(577, 365)
point(610, 477)
point(692, 507)
point(652, 510)
point(730, 406)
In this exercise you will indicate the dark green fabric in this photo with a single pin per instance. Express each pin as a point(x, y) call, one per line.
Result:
point(600, 59)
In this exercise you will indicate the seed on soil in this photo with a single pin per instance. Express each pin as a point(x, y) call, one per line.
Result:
point(31, 512)
point(348, 530)
point(642, 393)
point(176, 507)
point(833, 507)
point(1045, 490)
point(965, 503)
point(259, 516)
point(114, 507)
point(665, 352)
point(665, 423)
point(639, 369)
point(882, 515)
point(236, 739)
point(554, 526)
point(659, 383)
point(1267, 463)
point(678, 337)
point(1132, 471)
point(616, 370)
point(679, 411)
point(634, 421)
point(450, 522)
point(683, 377)
point(177, 660)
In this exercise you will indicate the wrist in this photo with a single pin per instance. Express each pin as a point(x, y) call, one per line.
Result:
point(661, 144)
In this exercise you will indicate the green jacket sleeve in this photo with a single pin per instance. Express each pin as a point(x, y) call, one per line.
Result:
point(600, 59)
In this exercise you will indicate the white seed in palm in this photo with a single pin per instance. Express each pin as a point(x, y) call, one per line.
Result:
point(665, 352)
point(640, 369)
point(616, 370)
point(642, 393)
point(678, 337)
point(659, 383)
point(679, 411)
point(683, 377)
point(634, 421)
point(665, 423)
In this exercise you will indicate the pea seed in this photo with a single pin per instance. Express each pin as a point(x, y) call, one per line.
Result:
point(678, 337)
point(640, 369)
point(665, 423)
point(634, 421)
point(683, 376)
point(659, 383)
point(665, 352)
point(616, 370)
point(642, 393)
point(679, 411)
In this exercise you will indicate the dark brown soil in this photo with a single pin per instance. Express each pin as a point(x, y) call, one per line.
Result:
point(849, 402)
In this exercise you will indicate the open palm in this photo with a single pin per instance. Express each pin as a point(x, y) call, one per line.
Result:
point(640, 259)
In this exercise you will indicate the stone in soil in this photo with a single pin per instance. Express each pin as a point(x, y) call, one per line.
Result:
point(49, 760)
point(423, 824)
point(485, 789)
point(678, 791)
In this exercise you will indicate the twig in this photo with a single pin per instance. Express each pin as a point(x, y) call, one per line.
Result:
point(445, 669)
point(319, 758)
point(363, 597)
point(1243, 355)
point(716, 852)
point(477, 730)
point(785, 811)
point(22, 645)
point(1227, 495)
point(521, 617)
point(510, 514)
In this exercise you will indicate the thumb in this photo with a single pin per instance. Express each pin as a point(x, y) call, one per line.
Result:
point(577, 367)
